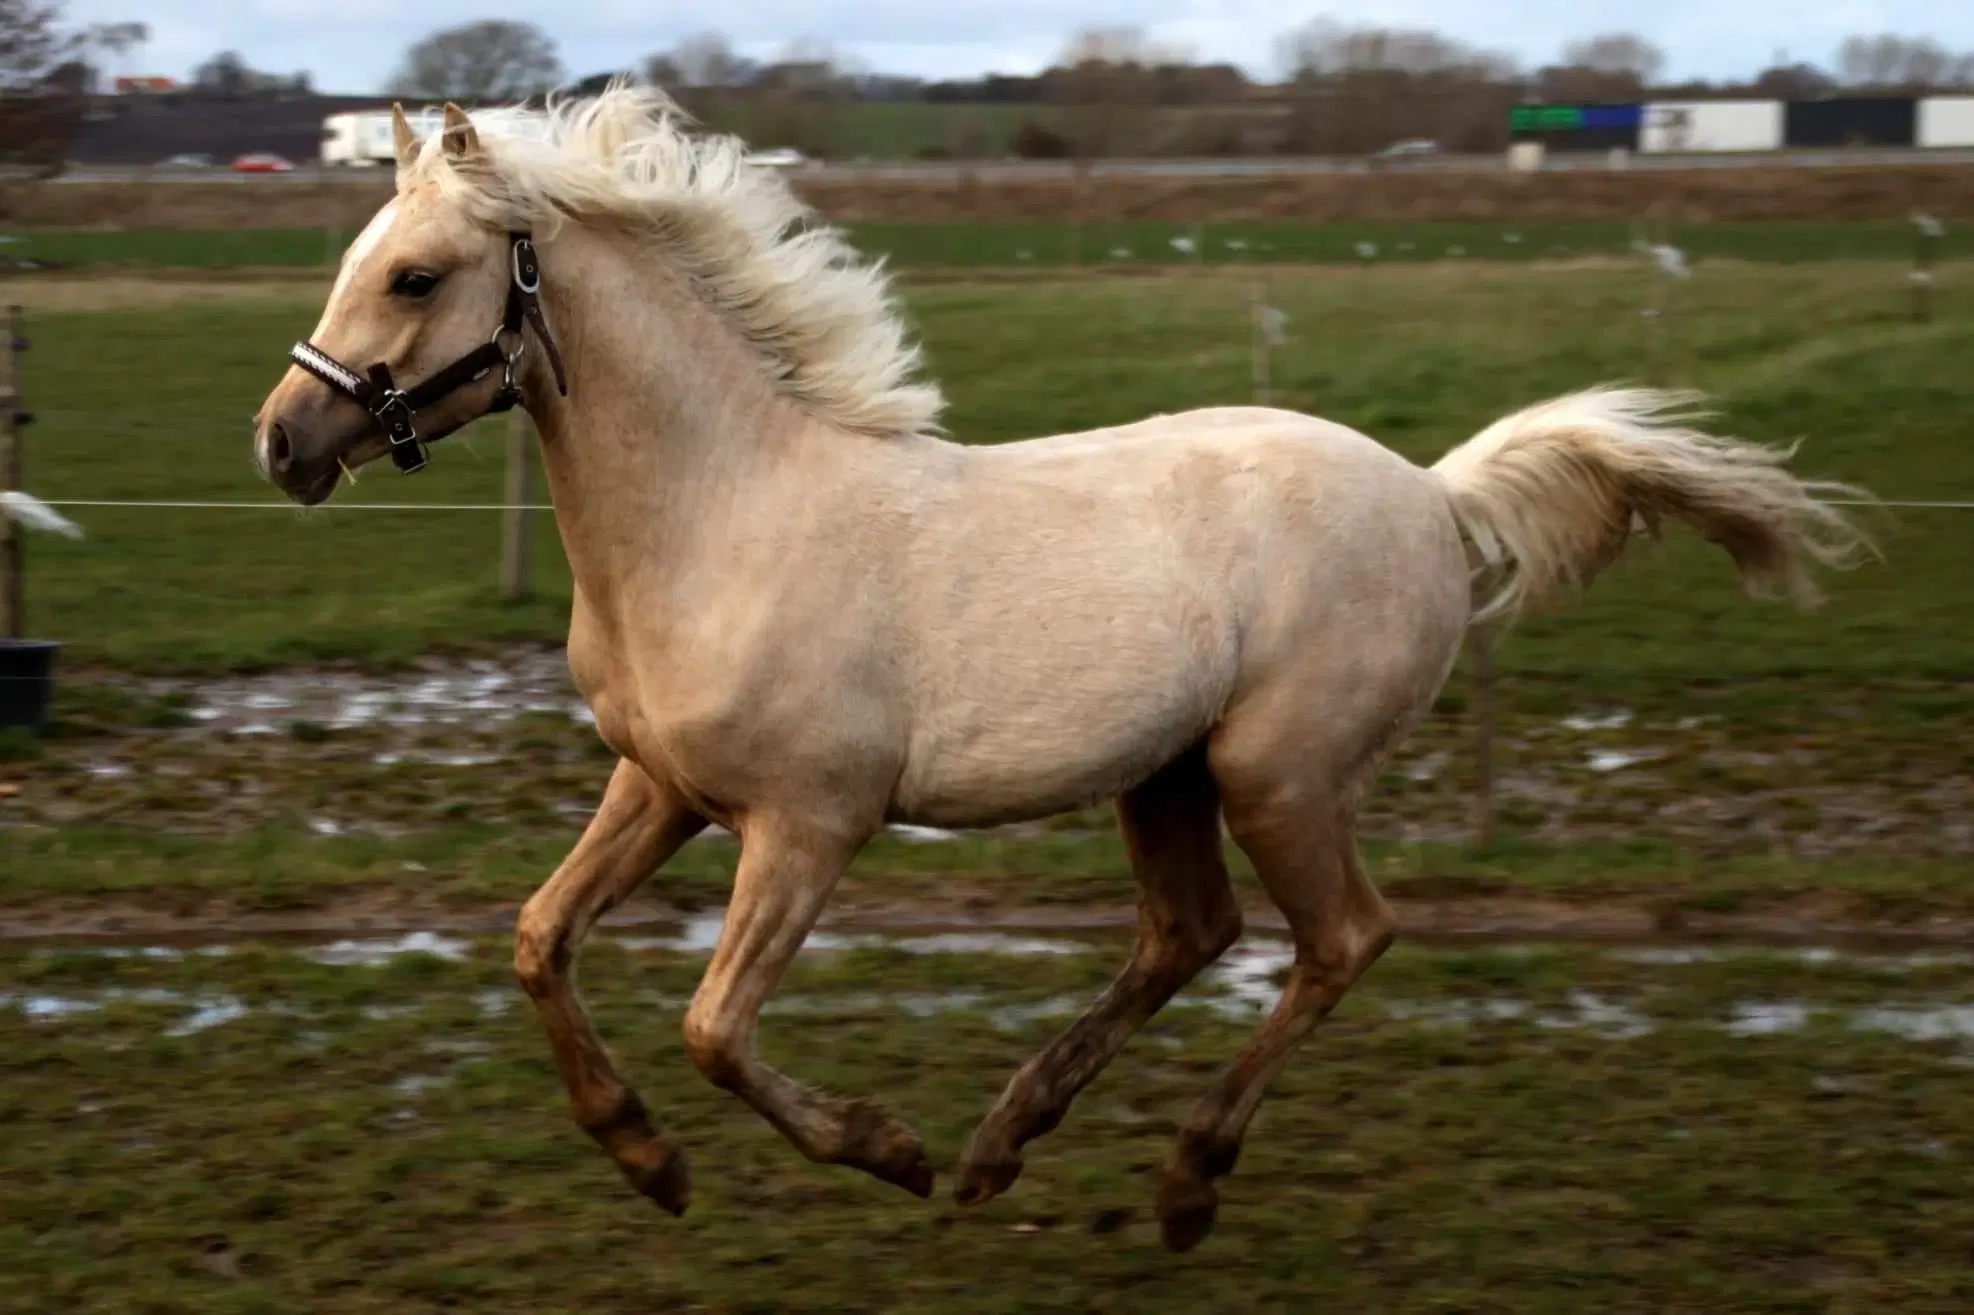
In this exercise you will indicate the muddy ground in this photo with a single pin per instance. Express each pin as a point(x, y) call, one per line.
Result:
point(1697, 195)
point(350, 750)
point(503, 744)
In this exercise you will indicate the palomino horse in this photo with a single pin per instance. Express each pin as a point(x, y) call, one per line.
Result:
point(801, 613)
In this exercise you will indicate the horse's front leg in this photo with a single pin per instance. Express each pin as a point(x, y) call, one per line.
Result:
point(787, 870)
point(637, 827)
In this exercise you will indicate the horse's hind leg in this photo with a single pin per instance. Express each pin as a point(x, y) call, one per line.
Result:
point(636, 828)
point(1303, 852)
point(1186, 918)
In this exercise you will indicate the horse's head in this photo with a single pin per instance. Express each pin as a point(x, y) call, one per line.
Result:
point(421, 334)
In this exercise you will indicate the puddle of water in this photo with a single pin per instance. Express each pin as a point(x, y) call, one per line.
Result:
point(1616, 719)
point(1673, 955)
point(1756, 1018)
point(206, 1012)
point(476, 693)
point(1914, 1023)
point(701, 935)
point(212, 1013)
point(1427, 768)
point(1456, 1013)
point(373, 953)
point(1907, 1022)
point(1248, 977)
point(414, 1085)
point(1613, 760)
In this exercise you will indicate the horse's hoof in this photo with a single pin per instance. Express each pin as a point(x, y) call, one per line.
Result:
point(1186, 1208)
point(917, 1177)
point(665, 1178)
point(980, 1181)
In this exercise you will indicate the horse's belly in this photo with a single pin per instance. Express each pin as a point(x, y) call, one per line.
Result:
point(1038, 742)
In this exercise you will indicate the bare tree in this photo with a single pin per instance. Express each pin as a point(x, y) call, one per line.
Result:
point(1624, 54)
point(32, 43)
point(1363, 89)
point(1796, 81)
point(1123, 47)
point(1915, 63)
point(118, 39)
point(39, 104)
point(704, 59)
point(225, 74)
point(1107, 80)
point(1324, 48)
point(491, 60)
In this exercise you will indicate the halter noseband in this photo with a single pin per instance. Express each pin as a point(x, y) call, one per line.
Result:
point(396, 409)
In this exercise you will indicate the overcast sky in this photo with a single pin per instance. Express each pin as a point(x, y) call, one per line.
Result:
point(353, 45)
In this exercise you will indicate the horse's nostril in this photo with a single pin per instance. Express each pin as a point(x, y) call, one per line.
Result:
point(280, 453)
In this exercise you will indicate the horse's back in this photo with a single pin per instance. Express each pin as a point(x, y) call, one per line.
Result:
point(1085, 605)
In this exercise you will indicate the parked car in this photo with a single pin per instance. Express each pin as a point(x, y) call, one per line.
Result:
point(261, 162)
point(186, 162)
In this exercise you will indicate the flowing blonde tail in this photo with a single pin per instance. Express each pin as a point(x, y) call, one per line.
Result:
point(1548, 496)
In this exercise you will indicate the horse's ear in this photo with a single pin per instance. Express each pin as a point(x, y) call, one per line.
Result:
point(460, 139)
point(405, 139)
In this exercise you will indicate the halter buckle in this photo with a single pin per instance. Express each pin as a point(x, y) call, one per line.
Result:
point(393, 413)
point(527, 267)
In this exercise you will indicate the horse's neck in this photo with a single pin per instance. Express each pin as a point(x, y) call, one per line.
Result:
point(667, 417)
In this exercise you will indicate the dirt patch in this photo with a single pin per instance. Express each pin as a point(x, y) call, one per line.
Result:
point(1690, 195)
point(85, 291)
point(1811, 919)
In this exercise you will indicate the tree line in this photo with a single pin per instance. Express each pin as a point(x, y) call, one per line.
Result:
point(1344, 88)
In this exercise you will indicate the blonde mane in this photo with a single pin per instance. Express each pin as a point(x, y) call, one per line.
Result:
point(821, 317)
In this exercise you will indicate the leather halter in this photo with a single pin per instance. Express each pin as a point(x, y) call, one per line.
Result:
point(396, 409)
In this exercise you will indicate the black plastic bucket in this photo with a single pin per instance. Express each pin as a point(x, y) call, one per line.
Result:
point(27, 682)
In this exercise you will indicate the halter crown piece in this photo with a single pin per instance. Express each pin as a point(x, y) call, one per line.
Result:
point(396, 409)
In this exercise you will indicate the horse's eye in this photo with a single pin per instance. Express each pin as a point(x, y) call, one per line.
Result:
point(413, 283)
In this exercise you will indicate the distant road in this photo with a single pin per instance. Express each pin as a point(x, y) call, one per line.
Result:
point(937, 171)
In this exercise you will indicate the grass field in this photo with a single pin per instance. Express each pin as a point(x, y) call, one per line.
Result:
point(329, 717)
point(152, 403)
point(1121, 242)
point(1836, 739)
point(1501, 1130)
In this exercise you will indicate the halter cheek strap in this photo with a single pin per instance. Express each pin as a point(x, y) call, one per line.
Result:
point(396, 409)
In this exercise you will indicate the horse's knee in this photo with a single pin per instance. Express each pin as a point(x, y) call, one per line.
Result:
point(714, 1046)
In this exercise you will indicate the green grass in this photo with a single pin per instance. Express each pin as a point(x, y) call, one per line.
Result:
point(1120, 242)
point(154, 403)
point(395, 1138)
point(467, 866)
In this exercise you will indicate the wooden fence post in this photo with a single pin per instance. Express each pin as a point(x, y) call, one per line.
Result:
point(13, 547)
